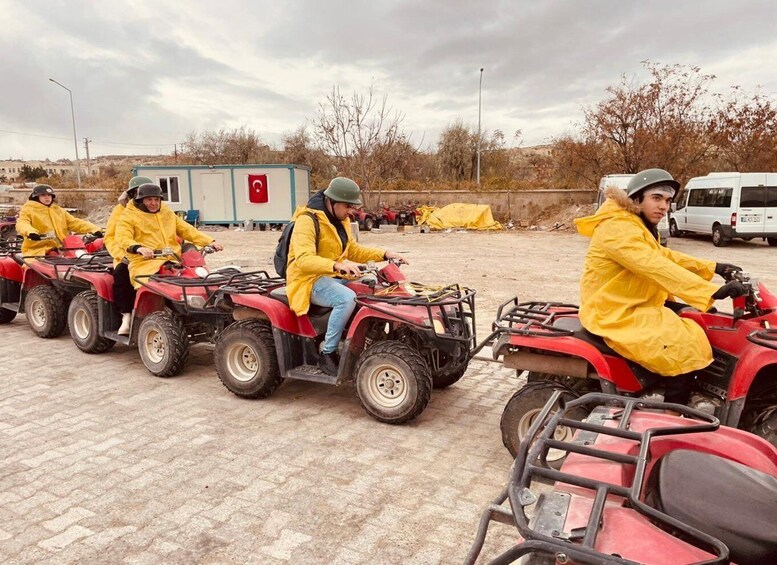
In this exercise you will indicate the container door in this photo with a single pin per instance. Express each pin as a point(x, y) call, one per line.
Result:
point(751, 215)
point(214, 198)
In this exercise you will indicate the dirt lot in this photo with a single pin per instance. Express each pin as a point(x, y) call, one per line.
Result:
point(103, 463)
point(532, 265)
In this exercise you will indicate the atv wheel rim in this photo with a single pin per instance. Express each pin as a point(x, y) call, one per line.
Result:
point(387, 387)
point(562, 433)
point(155, 346)
point(38, 313)
point(82, 324)
point(242, 362)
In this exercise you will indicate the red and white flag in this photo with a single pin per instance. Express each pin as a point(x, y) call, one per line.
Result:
point(257, 189)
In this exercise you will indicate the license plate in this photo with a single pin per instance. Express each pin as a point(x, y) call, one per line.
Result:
point(750, 219)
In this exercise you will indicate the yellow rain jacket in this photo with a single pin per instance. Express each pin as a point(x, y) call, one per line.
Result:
point(306, 265)
point(626, 279)
point(34, 217)
point(109, 241)
point(155, 231)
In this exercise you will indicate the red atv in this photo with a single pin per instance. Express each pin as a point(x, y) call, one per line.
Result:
point(404, 216)
point(638, 486)
point(547, 339)
point(366, 220)
point(40, 286)
point(402, 340)
point(173, 309)
point(7, 228)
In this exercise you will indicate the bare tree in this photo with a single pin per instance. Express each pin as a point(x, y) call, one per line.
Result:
point(364, 136)
point(238, 146)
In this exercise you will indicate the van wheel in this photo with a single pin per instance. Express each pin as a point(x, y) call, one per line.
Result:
point(674, 231)
point(718, 239)
point(772, 241)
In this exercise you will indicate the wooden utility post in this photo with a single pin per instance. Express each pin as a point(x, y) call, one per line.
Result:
point(88, 161)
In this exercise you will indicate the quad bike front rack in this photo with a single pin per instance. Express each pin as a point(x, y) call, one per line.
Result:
point(452, 305)
point(212, 284)
point(10, 246)
point(579, 545)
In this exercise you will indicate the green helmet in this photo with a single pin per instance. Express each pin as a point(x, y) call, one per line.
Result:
point(148, 189)
point(345, 190)
point(137, 181)
point(40, 190)
point(650, 177)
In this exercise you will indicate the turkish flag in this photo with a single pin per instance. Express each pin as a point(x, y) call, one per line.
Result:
point(257, 189)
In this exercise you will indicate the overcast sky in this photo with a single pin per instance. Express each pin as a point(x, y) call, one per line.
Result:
point(147, 72)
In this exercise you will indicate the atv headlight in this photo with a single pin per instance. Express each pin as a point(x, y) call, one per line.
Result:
point(195, 301)
point(201, 272)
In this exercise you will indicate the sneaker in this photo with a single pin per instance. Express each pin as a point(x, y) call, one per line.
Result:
point(126, 322)
point(328, 363)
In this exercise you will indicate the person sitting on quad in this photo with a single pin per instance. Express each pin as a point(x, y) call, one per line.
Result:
point(628, 278)
point(123, 291)
point(312, 275)
point(40, 215)
point(148, 224)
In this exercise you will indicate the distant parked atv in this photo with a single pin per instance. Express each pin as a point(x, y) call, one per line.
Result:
point(402, 340)
point(407, 216)
point(366, 220)
point(40, 286)
point(8, 228)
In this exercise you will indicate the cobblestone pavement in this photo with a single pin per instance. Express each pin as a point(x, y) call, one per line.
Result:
point(104, 463)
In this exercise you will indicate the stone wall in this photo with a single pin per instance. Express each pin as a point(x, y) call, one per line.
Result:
point(505, 205)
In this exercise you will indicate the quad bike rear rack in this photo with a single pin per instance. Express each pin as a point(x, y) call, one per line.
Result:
point(10, 246)
point(541, 536)
point(535, 319)
point(453, 305)
point(263, 284)
point(212, 283)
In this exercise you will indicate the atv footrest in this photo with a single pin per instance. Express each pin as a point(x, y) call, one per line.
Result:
point(123, 339)
point(13, 306)
point(311, 373)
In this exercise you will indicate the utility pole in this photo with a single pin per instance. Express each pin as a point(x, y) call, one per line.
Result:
point(480, 97)
point(175, 152)
point(75, 137)
point(88, 161)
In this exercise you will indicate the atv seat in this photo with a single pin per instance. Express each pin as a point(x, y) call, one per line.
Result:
point(720, 497)
point(572, 323)
point(314, 311)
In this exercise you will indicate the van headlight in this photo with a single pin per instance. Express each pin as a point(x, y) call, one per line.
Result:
point(195, 301)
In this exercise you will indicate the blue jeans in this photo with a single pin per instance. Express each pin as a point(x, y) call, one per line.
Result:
point(332, 293)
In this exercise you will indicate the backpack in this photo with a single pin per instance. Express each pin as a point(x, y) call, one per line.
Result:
point(281, 259)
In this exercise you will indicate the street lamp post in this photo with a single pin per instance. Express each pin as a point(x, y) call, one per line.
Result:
point(75, 137)
point(480, 98)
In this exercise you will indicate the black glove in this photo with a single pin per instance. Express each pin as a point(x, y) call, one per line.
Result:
point(97, 233)
point(34, 236)
point(730, 290)
point(725, 270)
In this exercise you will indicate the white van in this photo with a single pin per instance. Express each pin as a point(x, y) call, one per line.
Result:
point(622, 181)
point(729, 205)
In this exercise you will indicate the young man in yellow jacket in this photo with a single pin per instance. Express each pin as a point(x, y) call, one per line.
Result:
point(41, 215)
point(148, 224)
point(628, 277)
point(314, 265)
point(123, 291)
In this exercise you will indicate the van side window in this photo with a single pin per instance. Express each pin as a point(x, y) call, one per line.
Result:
point(696, 198)
point(771, 196)
point(752, 197)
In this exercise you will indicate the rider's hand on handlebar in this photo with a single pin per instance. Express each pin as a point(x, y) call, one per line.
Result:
point(33, 236)
point(98, 233)
point(347, 267)
point(396, 256)
point(146, 252)
point(726, 270)
point(216, 245)
point(731, 289)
